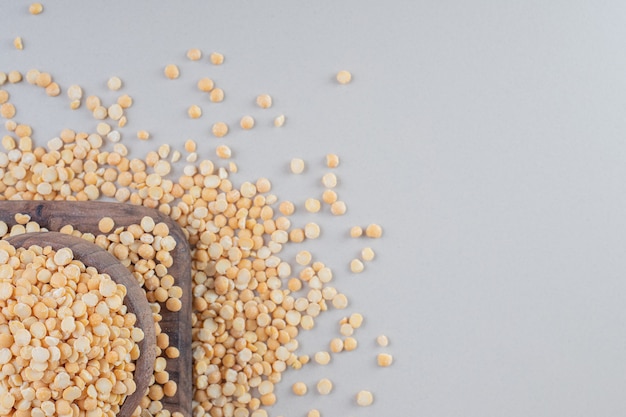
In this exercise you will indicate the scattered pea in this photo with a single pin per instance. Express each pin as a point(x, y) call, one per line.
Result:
point(264, 101)
point(303, 258)
point(299, 388)
point(247, 122)
point(279, 121)
point(312, 205)
point(18, 44)
point(356, 231)
point(364, 398)
point(114, 83)
point(223, 151)
point(344, 77)
point(297, 165)
point(53, 89)
point(329, 196)
point(355, 320)
point(340, 301)
point(311, 230)
point(205, 84)
point(338, 208)
point(194, 54)
point(336, 345)
point(219, 129)
point(329, 180)
point(171, 71)
point(125, 101)
point(346, 329)
point(287, 208)
point(367, 254)
point(194, 111)
point(216, 58)
point(322, 358)
point(216, 95)
point(143, 135)
point(356, 266)
point(332, 160)
point(374, 231)
point(349, 344)
point(35, 8)
point(7, 110)
point(384, 359)
point(14, 77)
point(324, 386)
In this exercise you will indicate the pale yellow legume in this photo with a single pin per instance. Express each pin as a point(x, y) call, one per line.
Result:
point(332, 160)
point(324, 386)
point(223, 151)
point(279, 121)
point(322, 358)
point(344, 77)
point(356, 266)
point(35, 8)
point(194, 54)
point(216, 58)
point(205, 84)
point(171, 71)
point(194, 111)
point(219, 129)
point(329, 180)
point(299, 388)
point(18, 43)
point(246, 122)
point(338, 208)
point(374, 231)
point(216, 95)
point(364, 398)
point(312, 205)
point(114, 83)
point(264, 101)
point(384, 359)
point(297, 165)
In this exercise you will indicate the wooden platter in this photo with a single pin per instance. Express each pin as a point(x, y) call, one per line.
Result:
point(84, 216)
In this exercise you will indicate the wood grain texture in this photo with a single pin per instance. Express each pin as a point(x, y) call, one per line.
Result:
point(135, 300)
point(84, 216)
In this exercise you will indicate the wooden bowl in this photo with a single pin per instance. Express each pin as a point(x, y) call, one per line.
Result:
point(84, 216)
point(135, 300)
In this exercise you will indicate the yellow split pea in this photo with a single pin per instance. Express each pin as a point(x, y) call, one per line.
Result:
point(264, 101)
point(194, 111)
point(17, 43)
point(35, 8)
point(216, 58)
point(344, 77)
point(114, 83)
point(194, 54)
point(171, 71)
point(219, 129)
point(205, 84)
point(364, 398)
point(299, 388)
point(216, 95)
point(143, 135)
point(247, 122)
point(384, 359)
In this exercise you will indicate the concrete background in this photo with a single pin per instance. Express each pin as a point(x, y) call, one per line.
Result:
point(487, 137)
